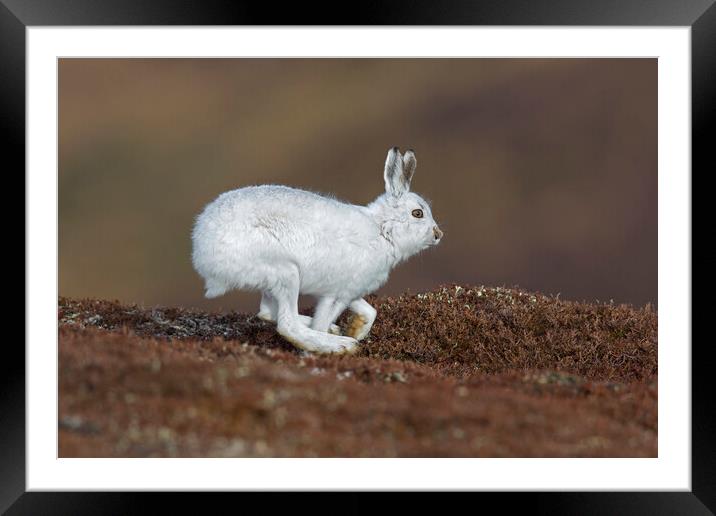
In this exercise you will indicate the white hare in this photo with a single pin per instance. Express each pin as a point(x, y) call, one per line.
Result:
point(285, 242)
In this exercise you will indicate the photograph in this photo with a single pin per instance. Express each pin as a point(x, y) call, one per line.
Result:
point(401, 249)
point(357, 257)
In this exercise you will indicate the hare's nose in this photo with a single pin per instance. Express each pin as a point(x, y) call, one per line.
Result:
point(438, 234)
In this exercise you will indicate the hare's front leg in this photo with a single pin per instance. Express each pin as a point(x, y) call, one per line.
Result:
point(269, 311)
point(327, 311)
point(289, 324)
point(268, 308)
point(362, 320)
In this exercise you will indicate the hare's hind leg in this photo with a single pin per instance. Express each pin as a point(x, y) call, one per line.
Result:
point(362, 320)
point(269, 308)
point(291, 327)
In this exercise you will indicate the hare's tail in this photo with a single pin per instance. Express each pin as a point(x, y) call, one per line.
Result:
point(215, 288)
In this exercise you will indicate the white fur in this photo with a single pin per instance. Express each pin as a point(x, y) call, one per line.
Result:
point(283, 241)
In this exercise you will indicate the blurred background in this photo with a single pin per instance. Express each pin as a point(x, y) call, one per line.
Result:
point(542, 172)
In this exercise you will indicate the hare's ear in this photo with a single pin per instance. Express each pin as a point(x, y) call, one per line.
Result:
point(395, 181)
point(409, 164)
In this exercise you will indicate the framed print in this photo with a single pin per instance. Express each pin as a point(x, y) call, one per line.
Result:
point(238, 278)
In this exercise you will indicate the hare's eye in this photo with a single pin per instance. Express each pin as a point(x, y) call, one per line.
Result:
point(418, 214)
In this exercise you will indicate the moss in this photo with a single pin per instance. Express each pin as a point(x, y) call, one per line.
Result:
point(458, 371)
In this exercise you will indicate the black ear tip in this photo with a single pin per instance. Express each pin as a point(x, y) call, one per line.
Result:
point(411, 150)
point(395, 149)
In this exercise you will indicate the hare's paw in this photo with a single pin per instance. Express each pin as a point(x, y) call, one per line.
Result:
point(357, 327)
point(361, 321)
point(265, 316)
point(315, 341)
point(347, 345)
point(337, 345)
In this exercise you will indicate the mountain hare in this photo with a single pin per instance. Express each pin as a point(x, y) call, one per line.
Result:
point(285, 242)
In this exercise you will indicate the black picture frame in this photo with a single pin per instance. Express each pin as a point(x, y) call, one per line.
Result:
point(700, 15)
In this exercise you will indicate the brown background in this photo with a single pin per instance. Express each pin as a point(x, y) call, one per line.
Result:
point(542, 172)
